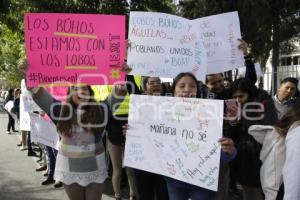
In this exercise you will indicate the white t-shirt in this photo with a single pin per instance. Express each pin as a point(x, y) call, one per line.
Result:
point(291, 169)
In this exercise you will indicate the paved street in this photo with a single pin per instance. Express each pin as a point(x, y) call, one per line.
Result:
point(18, 178)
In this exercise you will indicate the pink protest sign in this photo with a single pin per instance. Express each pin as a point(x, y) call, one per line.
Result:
point(74, 48)
point(58, 93)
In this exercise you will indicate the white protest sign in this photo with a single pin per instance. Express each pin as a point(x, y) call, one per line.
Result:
point(24, 116)
point(28, 104)
point(43, 131)
point(175, 137)
point(164, 45)
point(220, 34)
point(8, 106)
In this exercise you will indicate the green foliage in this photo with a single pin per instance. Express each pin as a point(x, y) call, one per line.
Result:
point(115, 7)
point(12, 41)
point(165, 6)
point(11, 50)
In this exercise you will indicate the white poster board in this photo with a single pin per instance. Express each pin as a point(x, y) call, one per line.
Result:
point(220, 34)
point(175, 137)
point(164, 45)
point(24, 116)
point(43, 131)
point(9, 105)
point(28, 104)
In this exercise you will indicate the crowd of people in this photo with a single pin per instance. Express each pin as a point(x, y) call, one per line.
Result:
point(250, 139)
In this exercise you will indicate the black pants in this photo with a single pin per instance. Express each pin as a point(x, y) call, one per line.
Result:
point(150, 186)
point(11, 123)
point(280, 193)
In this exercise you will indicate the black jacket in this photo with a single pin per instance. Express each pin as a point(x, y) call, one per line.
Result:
point(246, 165)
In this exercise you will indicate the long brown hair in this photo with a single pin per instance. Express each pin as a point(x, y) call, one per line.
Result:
point(291, 116)
point(93, 114)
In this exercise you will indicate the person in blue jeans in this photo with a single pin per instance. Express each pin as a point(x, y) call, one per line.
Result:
point(51, 154)
point(186, 85)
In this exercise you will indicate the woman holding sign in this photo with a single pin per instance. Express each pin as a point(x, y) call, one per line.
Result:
point(80, 122)
point(80, 163)
point(185, 85)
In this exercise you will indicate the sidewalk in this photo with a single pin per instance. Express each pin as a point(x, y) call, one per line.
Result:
point(19, 180)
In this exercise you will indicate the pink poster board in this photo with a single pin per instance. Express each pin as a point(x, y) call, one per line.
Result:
point(74, 48)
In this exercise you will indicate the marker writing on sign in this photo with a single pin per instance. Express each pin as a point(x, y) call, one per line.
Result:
point(162, 129)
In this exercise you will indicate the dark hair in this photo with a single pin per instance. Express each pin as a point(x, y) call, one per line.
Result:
point(291, 116)
point(290, 79)
point(244, 85)
point(221, 74)
point(11, 92)
point(17, 90)
point(93, 115)
point(179, 76)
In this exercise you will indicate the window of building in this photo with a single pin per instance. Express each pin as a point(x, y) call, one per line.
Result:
point(296, 60)
point(283, 61)
point(288, 61)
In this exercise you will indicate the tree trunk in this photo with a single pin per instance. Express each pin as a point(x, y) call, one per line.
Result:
point(275, 47)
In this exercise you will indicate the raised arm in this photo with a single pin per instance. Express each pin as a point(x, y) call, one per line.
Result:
point(47, 103)
point(250, 66)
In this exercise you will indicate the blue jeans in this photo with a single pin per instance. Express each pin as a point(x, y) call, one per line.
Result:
point(179, 190)
point(51, 153)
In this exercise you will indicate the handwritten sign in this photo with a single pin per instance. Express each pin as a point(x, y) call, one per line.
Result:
point(164, 45)
point(74, 48)
point(175, 137)
point(58, 93)
point(43, 131)
point(220, 34)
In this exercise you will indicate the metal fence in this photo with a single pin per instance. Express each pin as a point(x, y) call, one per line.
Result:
point(282, 72)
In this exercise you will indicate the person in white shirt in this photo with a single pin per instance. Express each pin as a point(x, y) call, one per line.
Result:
point(289, 126)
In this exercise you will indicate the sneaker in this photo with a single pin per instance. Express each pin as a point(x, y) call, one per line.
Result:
point(8, 132)
point(23, 148)
point(48, 181)
point(19, 144)
point(41, 168)
point(58, 184)
point(15, 131)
